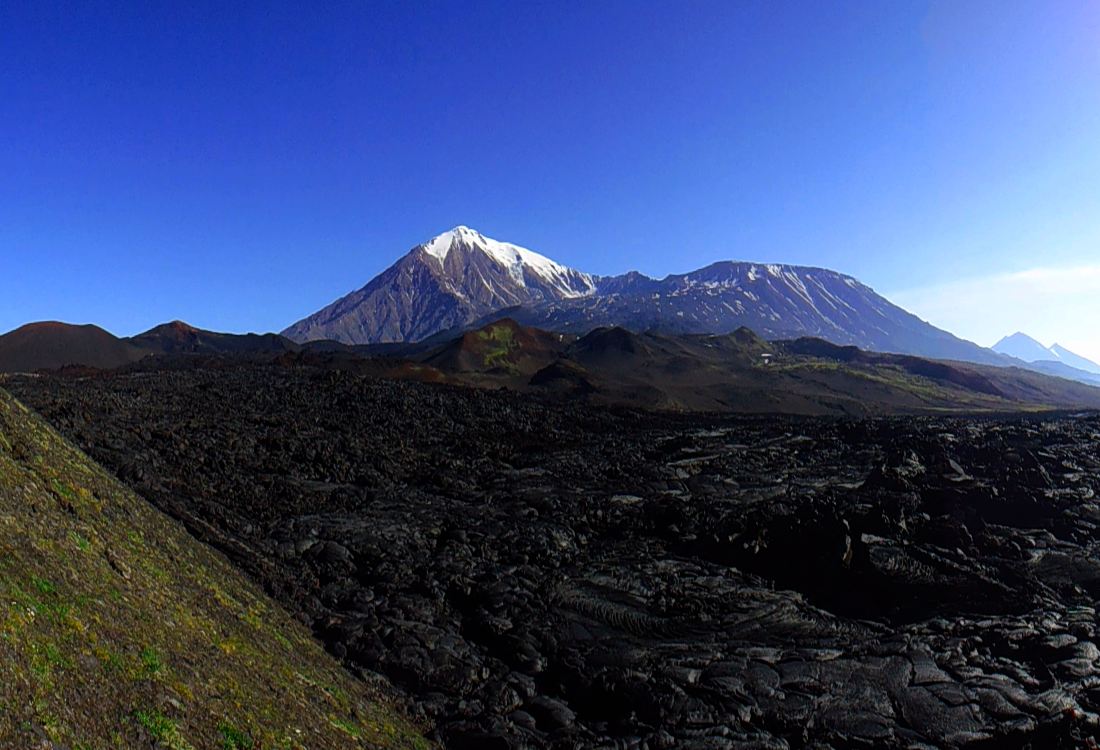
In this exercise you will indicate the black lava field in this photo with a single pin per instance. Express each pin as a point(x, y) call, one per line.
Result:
point(546, 575)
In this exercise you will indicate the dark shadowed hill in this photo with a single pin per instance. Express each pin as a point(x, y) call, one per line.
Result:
point(52, 345)
point(178, 337)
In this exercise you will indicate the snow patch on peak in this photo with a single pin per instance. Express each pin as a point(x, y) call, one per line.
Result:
point(440, 245)
point(515, 259)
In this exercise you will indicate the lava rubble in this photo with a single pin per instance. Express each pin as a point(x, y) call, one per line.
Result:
point(545, 575)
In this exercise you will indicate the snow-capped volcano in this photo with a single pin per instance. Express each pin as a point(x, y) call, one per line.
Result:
point(449, 281)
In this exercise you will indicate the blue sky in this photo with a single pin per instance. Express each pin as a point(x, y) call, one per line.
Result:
point(239, 165)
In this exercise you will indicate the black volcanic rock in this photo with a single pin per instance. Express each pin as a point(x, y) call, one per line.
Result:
point(548, 575)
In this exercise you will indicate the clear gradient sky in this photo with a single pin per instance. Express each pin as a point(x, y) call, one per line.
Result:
point(239, 165)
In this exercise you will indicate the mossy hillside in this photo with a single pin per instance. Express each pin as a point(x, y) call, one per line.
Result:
point(499, 341)
point(117, 629)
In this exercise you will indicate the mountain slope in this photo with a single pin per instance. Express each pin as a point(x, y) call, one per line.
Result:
point(1061, 370)
point(447, 282)
point(51, 345)
point(1075, 360)
point(461, 280)
point(118, 629)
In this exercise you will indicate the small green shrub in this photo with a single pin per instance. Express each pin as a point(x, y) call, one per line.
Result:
point(151, 661)
point(233, 738)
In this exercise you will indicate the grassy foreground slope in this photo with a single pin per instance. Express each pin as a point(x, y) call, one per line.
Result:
point(118, 630)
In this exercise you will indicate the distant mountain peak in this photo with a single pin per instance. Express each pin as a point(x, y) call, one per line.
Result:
point(1024, 347)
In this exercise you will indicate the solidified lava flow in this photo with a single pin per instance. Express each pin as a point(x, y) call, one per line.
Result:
point(554, 575)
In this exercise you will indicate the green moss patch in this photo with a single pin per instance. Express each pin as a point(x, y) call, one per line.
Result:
point(498, 342)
